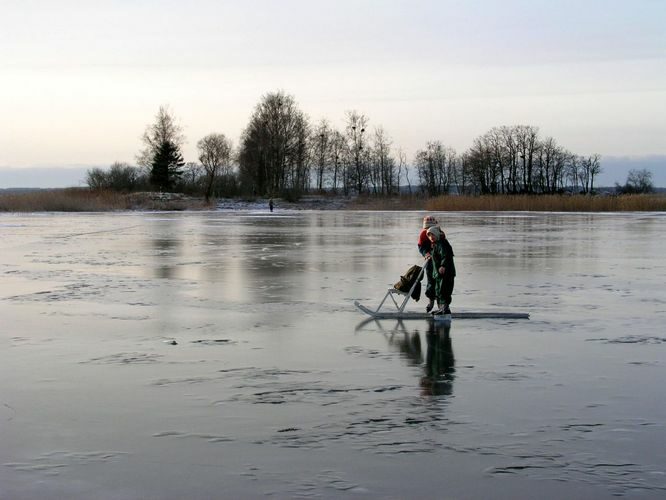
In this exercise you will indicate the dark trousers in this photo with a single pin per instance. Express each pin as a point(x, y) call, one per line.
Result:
point(444, 290)
point(430, 286)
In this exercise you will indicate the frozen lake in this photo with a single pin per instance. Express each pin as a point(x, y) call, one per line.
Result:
point(219, 355)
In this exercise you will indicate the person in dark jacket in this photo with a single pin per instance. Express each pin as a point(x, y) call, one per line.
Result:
point(443, 269)
point(425, 248)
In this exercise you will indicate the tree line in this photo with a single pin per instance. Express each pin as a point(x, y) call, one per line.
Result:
point(282, 153)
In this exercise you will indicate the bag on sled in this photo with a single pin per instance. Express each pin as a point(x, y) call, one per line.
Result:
point(407, 281)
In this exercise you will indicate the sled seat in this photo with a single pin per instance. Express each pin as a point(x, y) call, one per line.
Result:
point(392, 291)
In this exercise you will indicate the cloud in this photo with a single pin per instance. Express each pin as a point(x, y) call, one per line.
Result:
point(42, 177)
point(616, 168)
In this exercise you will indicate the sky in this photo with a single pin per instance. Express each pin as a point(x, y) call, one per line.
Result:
point(81, 80)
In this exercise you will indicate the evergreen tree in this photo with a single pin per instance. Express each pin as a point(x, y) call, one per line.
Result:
point(166, 167)
point(165, 128)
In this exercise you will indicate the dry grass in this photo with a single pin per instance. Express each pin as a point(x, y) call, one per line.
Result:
point(166, 201)
point(84, 200)
point(62, 200)
point(503, 203)
point(549, 203)
point(405, 202)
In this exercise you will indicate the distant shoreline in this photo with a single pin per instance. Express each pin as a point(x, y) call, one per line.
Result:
point(84, 200)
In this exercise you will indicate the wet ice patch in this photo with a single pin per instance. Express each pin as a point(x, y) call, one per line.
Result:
point(632, 339)
point(643, 363)
point(313, 393)
point(302, 484)
point(505, 376)
point(619, 477)
point(125, 359)
point(378, 426)
point(367, 353)
point(211, 438)
point(53, 462)
point(213, 342)
point(183, 381)
point(270, 373)
point(7, 412)
point(88, 288)
point(25, 341)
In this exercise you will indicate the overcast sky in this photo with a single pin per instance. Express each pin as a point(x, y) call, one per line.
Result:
point(81, 79)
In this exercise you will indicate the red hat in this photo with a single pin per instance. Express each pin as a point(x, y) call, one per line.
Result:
point(429, 221)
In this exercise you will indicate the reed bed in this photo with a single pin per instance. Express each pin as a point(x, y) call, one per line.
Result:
point(383, 203)
point(516, 203)
point(549, 203)
point(85, 200)
point(63, 200)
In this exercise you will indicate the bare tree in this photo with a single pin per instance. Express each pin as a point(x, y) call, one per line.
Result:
point(337, 158)
point(383, 171)
point(214, 155)
point(572, 170)
point(273, 150)
point(501, 150)
point(403, 170)
point(464, 178)
point(321, 145)
point(357, 157)
point(547, 166)
point(638, 181)
point(593, 165)
point(513, 159)
point(435, 166)
point(190, 181)
point(96, 179)
point(526, 139)
point(480, 161)
point(120, 177)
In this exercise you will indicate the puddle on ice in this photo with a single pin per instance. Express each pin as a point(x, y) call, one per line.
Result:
point(220, 352)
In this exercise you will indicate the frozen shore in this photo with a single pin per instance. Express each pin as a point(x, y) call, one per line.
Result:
point(304, 203)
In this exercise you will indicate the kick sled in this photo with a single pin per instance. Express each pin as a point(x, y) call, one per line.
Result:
point(409, 287)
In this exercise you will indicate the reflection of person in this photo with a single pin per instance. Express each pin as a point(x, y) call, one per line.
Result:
point(270, 204)
point(409, 345)
point(443, 268)
point(425, 248)
point(440, 364)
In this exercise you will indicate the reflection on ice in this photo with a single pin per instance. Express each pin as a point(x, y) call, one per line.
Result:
point(440, 363)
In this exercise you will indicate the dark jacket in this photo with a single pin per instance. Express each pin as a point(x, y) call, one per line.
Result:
point(442, 256)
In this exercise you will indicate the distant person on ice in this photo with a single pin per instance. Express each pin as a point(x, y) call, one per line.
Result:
point(443, 268)
point(270, 204)
point(425, 247)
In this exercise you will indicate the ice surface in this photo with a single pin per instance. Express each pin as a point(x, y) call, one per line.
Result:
point(218, 355)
